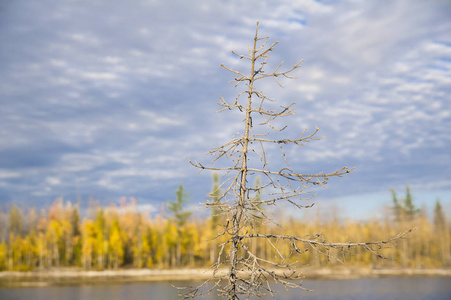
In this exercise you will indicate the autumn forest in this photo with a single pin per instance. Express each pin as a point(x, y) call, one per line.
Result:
point(122, 236)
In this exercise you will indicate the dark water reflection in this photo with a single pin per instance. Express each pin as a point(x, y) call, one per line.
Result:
point(368, 289)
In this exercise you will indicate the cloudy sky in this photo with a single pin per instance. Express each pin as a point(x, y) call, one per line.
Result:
point(105, 99)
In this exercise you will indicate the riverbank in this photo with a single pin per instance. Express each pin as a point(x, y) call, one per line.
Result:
point(76, 276)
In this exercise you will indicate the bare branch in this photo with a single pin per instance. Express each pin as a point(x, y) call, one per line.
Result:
point(247, 272)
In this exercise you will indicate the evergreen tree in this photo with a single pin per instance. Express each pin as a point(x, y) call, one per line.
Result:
point(75, 220)
point(404, 209)
point(180, 216)
point(409, 208)
point(15, 221)
point(397, 208)
point(215, 198)
point(439, 217)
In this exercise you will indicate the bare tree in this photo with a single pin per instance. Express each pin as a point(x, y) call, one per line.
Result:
point(248, 273)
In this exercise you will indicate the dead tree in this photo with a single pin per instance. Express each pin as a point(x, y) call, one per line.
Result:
point(243, 272)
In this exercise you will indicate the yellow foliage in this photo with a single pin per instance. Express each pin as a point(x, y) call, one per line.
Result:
point(116, 239)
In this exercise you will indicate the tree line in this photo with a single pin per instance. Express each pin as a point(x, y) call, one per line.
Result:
point(121, 236)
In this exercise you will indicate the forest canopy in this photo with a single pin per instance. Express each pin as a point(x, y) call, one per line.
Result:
point(120, 236)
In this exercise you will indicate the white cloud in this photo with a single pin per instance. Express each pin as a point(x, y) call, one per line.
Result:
point(113, 59)
point(53, 180)
point(309, 90)
point(99, 75)
point(5, 174)
point(85, 39)
point(128, 97)
point(438, 48)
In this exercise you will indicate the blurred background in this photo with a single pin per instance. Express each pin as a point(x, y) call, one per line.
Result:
point(101, 100)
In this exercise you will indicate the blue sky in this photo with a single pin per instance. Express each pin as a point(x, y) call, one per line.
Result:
point(105, 99)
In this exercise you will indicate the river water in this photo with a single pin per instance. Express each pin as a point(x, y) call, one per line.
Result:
point(388, 288)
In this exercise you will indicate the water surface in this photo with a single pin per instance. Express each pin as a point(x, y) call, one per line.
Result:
point(389, 288)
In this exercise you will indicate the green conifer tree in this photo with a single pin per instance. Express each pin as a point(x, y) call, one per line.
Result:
point(180, 216)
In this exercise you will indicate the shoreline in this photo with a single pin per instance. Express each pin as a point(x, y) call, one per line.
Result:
point(57, 277)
